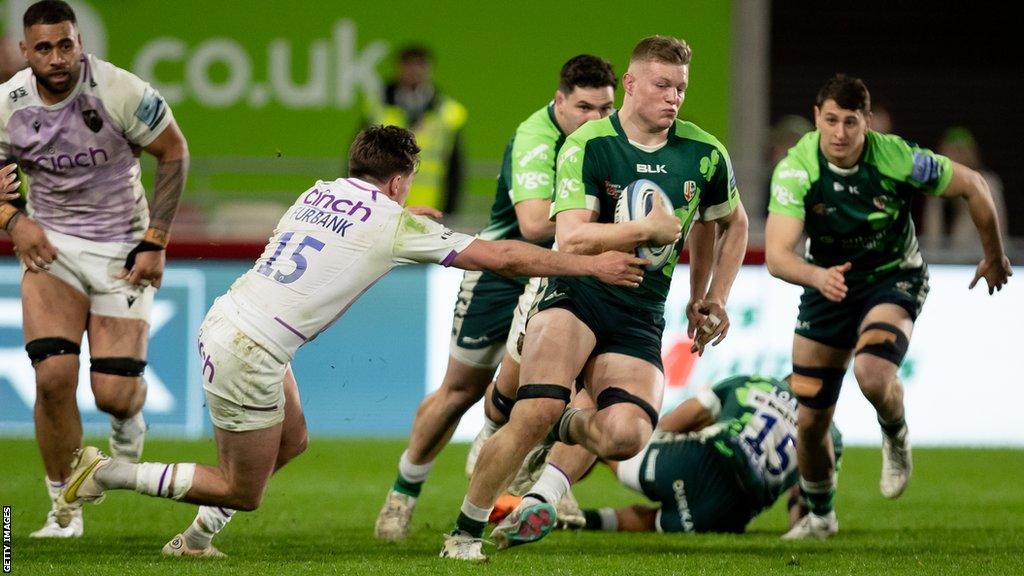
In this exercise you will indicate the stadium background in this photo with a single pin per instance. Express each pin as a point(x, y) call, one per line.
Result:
point(268, 103)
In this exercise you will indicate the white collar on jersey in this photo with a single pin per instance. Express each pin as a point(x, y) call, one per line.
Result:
point(843, 171)
point(646, 148)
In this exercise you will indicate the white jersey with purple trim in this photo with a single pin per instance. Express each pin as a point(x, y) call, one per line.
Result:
point(332, 245)
point(81, 154)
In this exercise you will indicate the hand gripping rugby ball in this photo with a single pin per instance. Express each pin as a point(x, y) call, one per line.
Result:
point(636, 202)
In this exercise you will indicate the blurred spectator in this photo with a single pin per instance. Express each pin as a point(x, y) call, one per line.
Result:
point(947, 223)
point(412, 101)
point(783, 136)
point(11, 60)
point(881, 119)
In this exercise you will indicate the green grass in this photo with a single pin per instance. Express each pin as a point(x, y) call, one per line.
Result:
point(963, 514)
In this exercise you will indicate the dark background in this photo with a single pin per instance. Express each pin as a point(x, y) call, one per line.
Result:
point(932, 64)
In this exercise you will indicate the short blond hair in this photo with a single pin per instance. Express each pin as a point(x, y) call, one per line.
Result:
point(664, 49)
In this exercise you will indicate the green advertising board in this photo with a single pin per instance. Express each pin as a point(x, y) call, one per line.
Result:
point(270, 93)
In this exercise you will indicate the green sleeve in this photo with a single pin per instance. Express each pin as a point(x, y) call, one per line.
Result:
point(575, 188)
point(722, 196)
point(837, 443)
point(724, 388)
point(533, 166)
point(790, 184)
point(911, 164)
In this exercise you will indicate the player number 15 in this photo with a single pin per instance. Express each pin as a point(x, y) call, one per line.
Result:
point(296, 256)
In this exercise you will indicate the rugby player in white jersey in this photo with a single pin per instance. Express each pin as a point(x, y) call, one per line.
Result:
point(335, 242)
point(92, 252)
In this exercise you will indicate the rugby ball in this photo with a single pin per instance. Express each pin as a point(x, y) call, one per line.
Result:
point(637, 201)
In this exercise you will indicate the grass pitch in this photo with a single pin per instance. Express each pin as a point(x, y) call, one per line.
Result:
point(963, 514)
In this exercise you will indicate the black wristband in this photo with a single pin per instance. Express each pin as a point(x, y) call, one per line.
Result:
point(143, 246)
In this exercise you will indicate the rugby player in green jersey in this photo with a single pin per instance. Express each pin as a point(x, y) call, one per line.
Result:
point(486, 301)
point(849, 190)
point(613, 337)
point(717, 460)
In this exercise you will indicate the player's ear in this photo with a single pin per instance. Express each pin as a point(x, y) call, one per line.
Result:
point(628, 83)
point(817, 114)
point(867, 119)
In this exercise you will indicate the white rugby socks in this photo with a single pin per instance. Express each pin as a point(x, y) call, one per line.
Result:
point(152, 478)
point(413, 473)
point(209, 521)
point(551, 486)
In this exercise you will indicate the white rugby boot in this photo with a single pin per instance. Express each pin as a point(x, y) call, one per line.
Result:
point(524, 525)
point(570, 517)
point(179, 547)
point(897, 463)
point(52, 529)
point(461, 546)
point(395, 517)
point(81, 485)
point(814, 527)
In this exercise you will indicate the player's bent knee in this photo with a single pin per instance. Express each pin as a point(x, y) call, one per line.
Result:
point(611, 396)
point(817, 387)
point(624, 439)
point(462, 398)
point(245, 501)
point(42, 348)
point(118, 405)
point(293, 447)
point(883, 340)
point(125, 367)
point(502, 403)
point(542, 402)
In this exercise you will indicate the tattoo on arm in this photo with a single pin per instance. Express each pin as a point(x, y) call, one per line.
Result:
point(170, 183)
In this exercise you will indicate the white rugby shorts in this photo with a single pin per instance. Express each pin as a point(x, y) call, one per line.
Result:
point(244, 383)
point(92, 268)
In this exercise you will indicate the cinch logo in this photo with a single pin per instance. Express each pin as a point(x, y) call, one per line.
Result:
point(648, 169)
point(328, 201)
point(60, 162)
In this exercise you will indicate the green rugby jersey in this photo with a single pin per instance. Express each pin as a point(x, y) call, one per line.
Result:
point(598, 161)
point(755, 428)
point(860, 215)
point(527, 173)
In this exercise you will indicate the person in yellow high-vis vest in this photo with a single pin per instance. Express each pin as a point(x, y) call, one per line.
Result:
point(412, 101)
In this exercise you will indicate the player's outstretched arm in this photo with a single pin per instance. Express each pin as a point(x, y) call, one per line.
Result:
point(637, 518)
point(145, 263)
point(519, 259)
point(689, 416)
point(972, 187)
point(782, 232)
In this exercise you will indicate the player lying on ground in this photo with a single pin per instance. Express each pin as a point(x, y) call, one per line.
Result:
point(335, 242)
point(715, 462)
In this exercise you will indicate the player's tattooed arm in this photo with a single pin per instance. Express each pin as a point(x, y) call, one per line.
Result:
point(171, 152)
